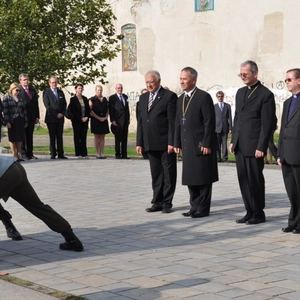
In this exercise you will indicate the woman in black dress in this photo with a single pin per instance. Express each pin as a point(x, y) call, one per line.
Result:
point(15, 118)
point(99, 123)
point(80, 110)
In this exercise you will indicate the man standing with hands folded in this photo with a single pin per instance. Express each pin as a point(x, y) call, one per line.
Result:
point(155, 136)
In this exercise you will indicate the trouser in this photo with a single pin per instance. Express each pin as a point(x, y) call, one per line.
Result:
point(200, 198)
point(121, 142)
point(80, 132)
point(14, 183)
point(222, 142)
point(291, 178)
point(252, 184)
point(27, 145)
point(164, 173)
point(56, 136)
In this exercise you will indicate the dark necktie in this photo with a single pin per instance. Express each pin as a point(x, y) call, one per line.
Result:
point(186, 100)
point(292, 106)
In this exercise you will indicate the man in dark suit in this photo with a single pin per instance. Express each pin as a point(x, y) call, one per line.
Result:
point(288, 149)
point(223, 126)
point(195, 135)
point(119, 116)
point(252, 129)
point(55, 103)
point(155, 136)
point(30, 97)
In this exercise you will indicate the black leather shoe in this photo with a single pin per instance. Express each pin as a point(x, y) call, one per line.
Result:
point(289, 228)
point(33, 157)
point(187, 214)
point(125, 157)
point(224, 160)
point(74, 245)
point(199, 215)
point(52, 157)
point(296, 230)
point(257, 221)
point(166, 210)
point(14, 234)
point(118, 157)
point(62, 157)
point(153, 209)
point(243, 220)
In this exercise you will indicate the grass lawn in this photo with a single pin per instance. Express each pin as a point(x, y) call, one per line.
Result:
point(108, 150)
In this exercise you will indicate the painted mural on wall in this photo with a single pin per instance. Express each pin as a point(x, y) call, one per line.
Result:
point(203, 5)
point(129, 52)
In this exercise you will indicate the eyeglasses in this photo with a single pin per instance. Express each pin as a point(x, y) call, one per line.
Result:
point(289, 80)
point(17, 90)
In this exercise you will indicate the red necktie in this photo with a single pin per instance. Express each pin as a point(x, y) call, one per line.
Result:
point(27, 91)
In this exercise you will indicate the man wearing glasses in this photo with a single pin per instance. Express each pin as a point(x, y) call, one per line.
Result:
point(223, 126)
point(288, 149)
point(55, 103)
point(253, 124)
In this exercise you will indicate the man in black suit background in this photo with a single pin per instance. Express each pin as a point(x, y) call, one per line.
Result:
point(119, 116)
point(55, 103)
point(155, 136)
point(252, 129)
point(223, 126)
point(288, 149)
point(30, 97)
point(195, 135)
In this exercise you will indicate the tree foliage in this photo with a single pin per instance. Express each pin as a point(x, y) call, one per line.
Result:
point(70, 39)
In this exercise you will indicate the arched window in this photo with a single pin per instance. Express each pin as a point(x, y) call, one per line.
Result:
point(129, 52)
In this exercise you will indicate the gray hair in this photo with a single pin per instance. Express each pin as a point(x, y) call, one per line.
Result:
point(253, 65)
point(23, 75)
point(192, 71)
point(155, 73)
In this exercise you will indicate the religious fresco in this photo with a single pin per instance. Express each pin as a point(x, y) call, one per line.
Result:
point(203, 5)
point(129, 52)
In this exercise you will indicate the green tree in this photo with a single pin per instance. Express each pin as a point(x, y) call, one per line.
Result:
point(70, 39)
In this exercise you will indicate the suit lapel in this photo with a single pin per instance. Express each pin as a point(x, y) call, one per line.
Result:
point(296, 108)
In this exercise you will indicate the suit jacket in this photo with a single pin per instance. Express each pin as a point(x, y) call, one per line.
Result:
point(54, 107)
point(76, 110)
point(253, 120)
point(13, 109)
point(223, 118)
point(155, 130)
point(31, 104)
point(117, 111)
point(198, 127)
point(289, 138)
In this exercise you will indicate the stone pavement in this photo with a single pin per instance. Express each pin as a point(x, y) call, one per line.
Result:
point(131, 254)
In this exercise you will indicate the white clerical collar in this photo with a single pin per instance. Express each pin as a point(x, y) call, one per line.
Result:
point(190, 92)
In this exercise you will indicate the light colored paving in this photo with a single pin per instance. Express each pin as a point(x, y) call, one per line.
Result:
point(131, 254)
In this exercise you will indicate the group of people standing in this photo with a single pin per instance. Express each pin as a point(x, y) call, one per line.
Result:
point(21, 112)
point(168, 125)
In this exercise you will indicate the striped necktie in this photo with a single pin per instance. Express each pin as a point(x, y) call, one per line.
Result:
point(150, 102)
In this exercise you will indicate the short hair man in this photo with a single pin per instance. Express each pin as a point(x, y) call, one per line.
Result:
point(155, 136)
point(252, 129)
point(30, 97)
point(288, 148)
point(223, 126)
point(55, 103)
point(195, 135)
point(119, 116)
